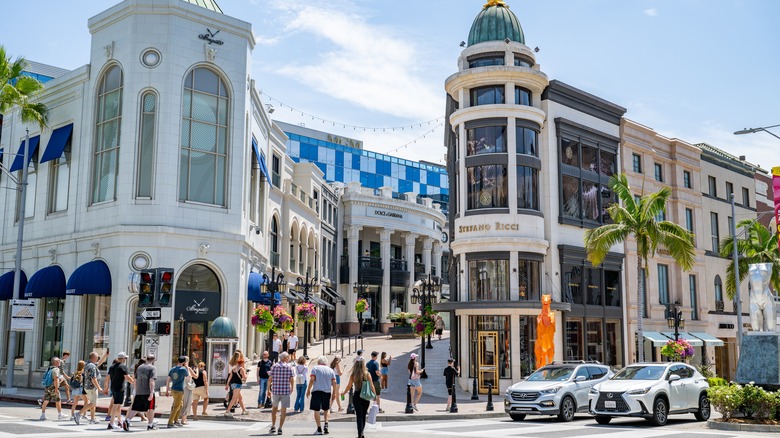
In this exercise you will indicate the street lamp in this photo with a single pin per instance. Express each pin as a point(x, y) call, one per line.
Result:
point(273, 285)
point(754, 130)
point(360, 289)
point(675, 320)
point(305, 288)
point(426, 295)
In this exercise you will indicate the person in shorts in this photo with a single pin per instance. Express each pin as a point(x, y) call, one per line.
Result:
point(322, 387)
point(119, 375)
point(91, 389)
point(276, 348)
point(292, 345)
point(280, 383)
point(450, 373)
point(52, 392)
point(373, 369)
point(201, 390)
point(144, 400)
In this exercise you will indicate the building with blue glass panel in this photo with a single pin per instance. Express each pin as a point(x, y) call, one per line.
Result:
point(344, 160)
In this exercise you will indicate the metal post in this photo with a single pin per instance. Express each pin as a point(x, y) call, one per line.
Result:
point(12, 338)
point(474, 395)
point(736, 276)
point(454, 405)
point(423, 374)
point(351, 406)
point(307, 289)
point(489, 406)
point(409, 407)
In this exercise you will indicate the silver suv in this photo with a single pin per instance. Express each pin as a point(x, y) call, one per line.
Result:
point(560, 388)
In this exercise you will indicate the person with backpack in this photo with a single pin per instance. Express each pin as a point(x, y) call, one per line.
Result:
point(77, 388)
point(301, 374)
point(91, 389)
point(51, 389)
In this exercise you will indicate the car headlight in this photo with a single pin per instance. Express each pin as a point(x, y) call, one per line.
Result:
point(551, 390)
point(593, 391)
point(642, 391)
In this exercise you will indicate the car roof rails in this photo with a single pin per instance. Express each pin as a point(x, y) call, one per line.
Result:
point(569, 362)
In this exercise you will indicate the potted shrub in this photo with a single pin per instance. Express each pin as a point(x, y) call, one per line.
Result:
point(402, 328)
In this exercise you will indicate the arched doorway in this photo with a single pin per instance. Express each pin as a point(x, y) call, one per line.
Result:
point(197, 301)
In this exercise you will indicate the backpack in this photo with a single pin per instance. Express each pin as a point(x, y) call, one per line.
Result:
point(75, 381)
point(48, 378)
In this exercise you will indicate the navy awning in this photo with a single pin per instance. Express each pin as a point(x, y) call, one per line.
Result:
point(7, 284)
point(17, 164)
point(49, 282)
point(254, 294)
point(333, 294)
point(59, 138)
point(261, 161)
point(320, 302)
point(91, 278)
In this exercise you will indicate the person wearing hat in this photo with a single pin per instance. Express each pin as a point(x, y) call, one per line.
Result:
point(414, 379)
point(358, 357)
point(119, 375)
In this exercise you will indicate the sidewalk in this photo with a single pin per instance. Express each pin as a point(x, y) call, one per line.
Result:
point(393, 400)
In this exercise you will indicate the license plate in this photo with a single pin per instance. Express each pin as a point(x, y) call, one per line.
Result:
point(610, 404)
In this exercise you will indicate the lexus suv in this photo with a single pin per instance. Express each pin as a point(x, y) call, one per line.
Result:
point(557, 389)
point(652, 391)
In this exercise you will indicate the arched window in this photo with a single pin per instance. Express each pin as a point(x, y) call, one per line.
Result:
point(204, 134)
point(274, 242)
point(197, 298)
point(105, 164)
point(146, 143)
point(718, 291)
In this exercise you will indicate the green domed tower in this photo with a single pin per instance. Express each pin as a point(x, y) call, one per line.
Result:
point(495, 23)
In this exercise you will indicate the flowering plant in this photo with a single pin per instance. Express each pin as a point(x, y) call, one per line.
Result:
point(306, 312)
point(283, 319)
point(678, 350)
point(262, 319)
point(361, 305)
point(425, 323)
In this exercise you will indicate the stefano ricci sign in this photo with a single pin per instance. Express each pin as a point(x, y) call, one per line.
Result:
point(387, 213)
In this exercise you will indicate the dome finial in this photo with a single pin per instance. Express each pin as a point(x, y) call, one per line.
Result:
point(495, 3)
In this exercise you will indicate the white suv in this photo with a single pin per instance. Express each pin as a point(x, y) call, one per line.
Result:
point(652, 391)
point(557, 389)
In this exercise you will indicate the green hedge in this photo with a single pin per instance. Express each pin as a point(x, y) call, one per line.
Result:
point(717, 381)
point(749, 401)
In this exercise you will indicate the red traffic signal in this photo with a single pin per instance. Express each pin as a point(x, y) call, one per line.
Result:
point(163, 328)
point(146, 287)
point(165, 287)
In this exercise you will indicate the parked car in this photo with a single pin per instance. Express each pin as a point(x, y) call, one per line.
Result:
point(652, 391)
point(557, 389)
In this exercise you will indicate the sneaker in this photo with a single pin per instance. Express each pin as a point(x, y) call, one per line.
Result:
point(415, 407)
point(170, 426)
point(77, 419)
point(178, 424)
point(40, 402)
point(126, 425)
point(272, 430)
point(95, 421)
point(318, 431)
point(325, 429)
point(228, 414)
point(279, 432)
point(43, 417)
point(152, 426)
point(108, 418)
point(61, 416)
point(110, 426)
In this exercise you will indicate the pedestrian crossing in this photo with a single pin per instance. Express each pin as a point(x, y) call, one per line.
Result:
point(13, 427)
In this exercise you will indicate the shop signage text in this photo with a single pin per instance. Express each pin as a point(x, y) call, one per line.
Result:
point(209, 36)
point(388, 213)
point(499, 226)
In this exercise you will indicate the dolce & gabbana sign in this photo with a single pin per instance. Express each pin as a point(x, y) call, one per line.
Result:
point(498, 226)
point(388, 213)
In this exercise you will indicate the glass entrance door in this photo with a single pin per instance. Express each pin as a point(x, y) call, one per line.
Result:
point(487, 361)
point(196, 341)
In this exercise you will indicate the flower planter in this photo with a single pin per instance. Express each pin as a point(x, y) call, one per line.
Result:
point(401, 332)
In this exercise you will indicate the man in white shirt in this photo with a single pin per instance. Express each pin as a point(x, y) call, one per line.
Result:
point(292, 345)
point(276, 348)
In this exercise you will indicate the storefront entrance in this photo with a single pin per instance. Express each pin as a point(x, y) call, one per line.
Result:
point(487, 361)
point(197, 302)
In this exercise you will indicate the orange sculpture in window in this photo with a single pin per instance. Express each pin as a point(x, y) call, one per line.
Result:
point(545, 334)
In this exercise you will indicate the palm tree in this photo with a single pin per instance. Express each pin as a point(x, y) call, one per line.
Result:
point(19, 90)
point(758, 246)
point(637, 218)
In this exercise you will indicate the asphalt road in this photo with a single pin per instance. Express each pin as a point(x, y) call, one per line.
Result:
point(22, 420)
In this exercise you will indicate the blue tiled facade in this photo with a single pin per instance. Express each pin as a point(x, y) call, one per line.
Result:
point(347, 164)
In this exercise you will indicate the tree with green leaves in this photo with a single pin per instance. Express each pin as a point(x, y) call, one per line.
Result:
point(19, 90)
point(638, 218)
point(758, 246)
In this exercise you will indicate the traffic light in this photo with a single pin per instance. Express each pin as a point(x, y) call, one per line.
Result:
point(146, 288)
point(164, 286)
point(163, 328)
point(143, 327)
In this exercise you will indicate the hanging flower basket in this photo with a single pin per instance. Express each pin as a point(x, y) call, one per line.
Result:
point(306, 312)
point(361, 305)
point(262, 319)
point(283, 319)
point(424, 324)
point(678, 351)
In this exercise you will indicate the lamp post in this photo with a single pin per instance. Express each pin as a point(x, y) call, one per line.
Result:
point(305, 288)
point(360, 289)
point(22, 187)
point(736, 273)
point(425, 294)
point(674, 319)
point(754, 130)
point(181, 322)
point(273, 285)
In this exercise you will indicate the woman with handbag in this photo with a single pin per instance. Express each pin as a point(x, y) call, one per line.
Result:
point(201, 390)
point(414, 379)
point(236, 379)
point(301, 375)
point(189, 385)
point(363, 390)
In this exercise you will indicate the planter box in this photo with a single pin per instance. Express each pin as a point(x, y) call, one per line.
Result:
point(401, 332)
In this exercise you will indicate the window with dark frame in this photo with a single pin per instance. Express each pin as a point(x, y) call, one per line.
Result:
point(489, 95)
point(276, 171)
point(729, 190)
point(713, 186)
point(687, 183)
point(659, 172)
point(636, 160)
point(745, 197)
point(693, 297)
point(715, 232)
point(663, 284)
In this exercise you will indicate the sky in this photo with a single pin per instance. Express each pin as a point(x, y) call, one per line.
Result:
point(697, 70)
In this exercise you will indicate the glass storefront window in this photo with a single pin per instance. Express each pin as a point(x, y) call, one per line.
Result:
point(572, 284)
point(492, 94)
point(614, 340)
point(590, 200)
point(571, 197)
point(398, 298)
point(589, 161)
point(495, 349)
point(527, 342)
point(527, 188)
point(487, 61)
point(487, 187)
point(612, 288)
point(574, 347)
point(522, 96)
point(486, 140)
point(98, 314)
point(526, 141)
point(594, 286)
point(51, 341)
point(607, 161)
point(570, 152)
point(528, 279)
point(595, 339)
point(488, 280)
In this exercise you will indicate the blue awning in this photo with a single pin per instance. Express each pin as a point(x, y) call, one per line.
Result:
point(49, 282)
point(254, 294)
point(91, 278)
point(59, 138)
point(17, 164)
point(261, 161)
point(7, 284)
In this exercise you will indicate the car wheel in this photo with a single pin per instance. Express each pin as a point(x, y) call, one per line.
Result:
point(603, 419)
point(660, 412)
point(517, 417)
point(703, 414)
point(567, 409)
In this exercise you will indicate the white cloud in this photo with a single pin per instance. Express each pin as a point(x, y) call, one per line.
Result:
point(650, 12)
point(267, 41)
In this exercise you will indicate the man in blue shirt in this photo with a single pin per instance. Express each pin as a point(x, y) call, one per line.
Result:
point(175, 385)
point(373, 368)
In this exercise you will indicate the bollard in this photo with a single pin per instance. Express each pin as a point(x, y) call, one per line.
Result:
point(474, 395)
point(409, 408)
point(454, 405)
point(350, 406)
point(490, 398)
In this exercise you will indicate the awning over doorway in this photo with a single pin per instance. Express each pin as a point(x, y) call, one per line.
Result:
point(695, 342)
point(320, 302)
point(91, 278)
point(254, 294)
point(7, 284)
point(656, 338)
point(333, 294)
point(49, 282)
point(59, 138)
point(292, 297)
point(709, 340)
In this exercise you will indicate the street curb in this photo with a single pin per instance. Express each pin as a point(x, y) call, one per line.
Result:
point(741, 427)
point(425, 417)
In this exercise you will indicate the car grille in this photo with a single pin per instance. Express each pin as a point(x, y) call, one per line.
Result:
point(525, 396)
point(621, 405)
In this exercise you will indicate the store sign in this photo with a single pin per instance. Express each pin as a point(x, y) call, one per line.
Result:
point(197, 305)
point(22, 315)
point(498, 226)
point(209, 36)
point(388, 213)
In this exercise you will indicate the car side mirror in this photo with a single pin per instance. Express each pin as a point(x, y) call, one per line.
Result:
point(580, 379)
point(674, 378)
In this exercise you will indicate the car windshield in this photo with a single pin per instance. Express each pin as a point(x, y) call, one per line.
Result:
point(647, 372)
point(551, 374)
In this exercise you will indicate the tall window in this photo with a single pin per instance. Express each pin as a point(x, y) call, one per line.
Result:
point(488, 280)
point(659, 172)
point(105, 164)
point(487, 186)
point(51, 336)
point(718, 290)
point(204, 138)
point(487, 95)
point(689, 219)
point(663, 284)
point(729, 223)
point(146, 142)
point(486, 140)
point(729, 190)
point(526, 141)
point(528, 273)
point(694, 298)
point(276, 171)
point(522, 96)
point(527, 188)
point(713, 186)
point(495, 350)
point(59, 180)
point(636, 161)
point(745, 197)
point(687, 182)
point(714, 230)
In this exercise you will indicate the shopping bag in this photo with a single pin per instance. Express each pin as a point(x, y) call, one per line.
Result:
point(372, 412)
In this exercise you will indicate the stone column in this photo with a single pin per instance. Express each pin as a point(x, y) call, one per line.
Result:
point(409, 243)
point(426, 255)
point(437, 258)
point(384, 238)
point(353, 235)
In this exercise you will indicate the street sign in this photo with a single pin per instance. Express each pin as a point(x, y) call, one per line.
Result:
point(151, 344)
point(22, 315)
point(151, 313)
